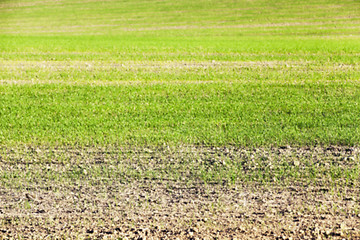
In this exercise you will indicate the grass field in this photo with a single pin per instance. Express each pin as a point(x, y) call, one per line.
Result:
point(101, 90)
point(220, 119)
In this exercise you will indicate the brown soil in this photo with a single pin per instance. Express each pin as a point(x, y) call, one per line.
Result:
point(64, 193)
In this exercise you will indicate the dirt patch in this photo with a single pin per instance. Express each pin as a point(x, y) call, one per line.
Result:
point(164, 193)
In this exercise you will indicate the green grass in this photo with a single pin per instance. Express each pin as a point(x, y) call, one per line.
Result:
point(246, 73)
point(181, 18)
point(158, 113)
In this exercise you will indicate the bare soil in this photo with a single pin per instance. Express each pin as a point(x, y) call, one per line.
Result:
point(97, 193)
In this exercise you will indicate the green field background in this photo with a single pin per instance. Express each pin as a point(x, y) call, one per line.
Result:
point(242, 73)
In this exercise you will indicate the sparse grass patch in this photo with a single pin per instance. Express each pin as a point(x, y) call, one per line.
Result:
point(127, 192)
point(209, 165)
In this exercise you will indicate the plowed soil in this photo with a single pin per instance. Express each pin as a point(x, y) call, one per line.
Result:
point(95, 193)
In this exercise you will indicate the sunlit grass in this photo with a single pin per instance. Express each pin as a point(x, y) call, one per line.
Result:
point(194, 73)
